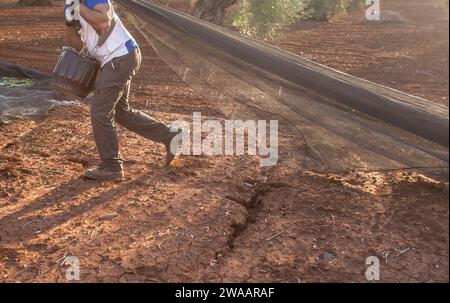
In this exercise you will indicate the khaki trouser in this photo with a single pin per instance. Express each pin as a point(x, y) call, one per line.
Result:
point(110, 105)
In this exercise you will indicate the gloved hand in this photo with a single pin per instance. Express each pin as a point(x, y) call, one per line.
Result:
point(72, 12)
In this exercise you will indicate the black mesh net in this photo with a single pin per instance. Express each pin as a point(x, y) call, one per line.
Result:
point(26, 93)
point(343, 123)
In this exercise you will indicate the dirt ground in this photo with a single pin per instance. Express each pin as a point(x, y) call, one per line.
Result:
point(215, 218)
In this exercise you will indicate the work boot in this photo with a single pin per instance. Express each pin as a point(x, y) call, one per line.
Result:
point(169, 155)
point(104, 173)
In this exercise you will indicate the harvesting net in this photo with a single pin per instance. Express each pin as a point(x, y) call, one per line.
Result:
point(26, 93)
point(344, 123)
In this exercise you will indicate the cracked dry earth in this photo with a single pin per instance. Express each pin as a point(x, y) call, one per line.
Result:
point(214, 219)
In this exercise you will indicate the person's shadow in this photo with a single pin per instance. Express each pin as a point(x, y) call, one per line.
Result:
point(19, 226)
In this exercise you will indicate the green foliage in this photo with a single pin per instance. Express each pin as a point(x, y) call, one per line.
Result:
point(323, 10)
point(16, 82)
point(263, 18)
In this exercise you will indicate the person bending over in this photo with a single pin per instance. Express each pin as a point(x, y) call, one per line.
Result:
point(94, 25)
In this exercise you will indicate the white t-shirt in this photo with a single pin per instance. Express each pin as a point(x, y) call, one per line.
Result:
point(119, 43)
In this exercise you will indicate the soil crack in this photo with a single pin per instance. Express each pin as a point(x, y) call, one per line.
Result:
point(253, 207)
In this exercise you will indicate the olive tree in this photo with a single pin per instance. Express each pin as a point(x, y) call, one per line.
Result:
point(263, 18)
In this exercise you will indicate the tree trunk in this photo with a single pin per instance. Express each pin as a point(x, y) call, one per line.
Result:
point(212, 10)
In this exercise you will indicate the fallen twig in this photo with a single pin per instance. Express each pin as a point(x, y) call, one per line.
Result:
point(401, 252)
point(63, 257)
point(386, 255)
point(31, 222)
point(275, 236)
